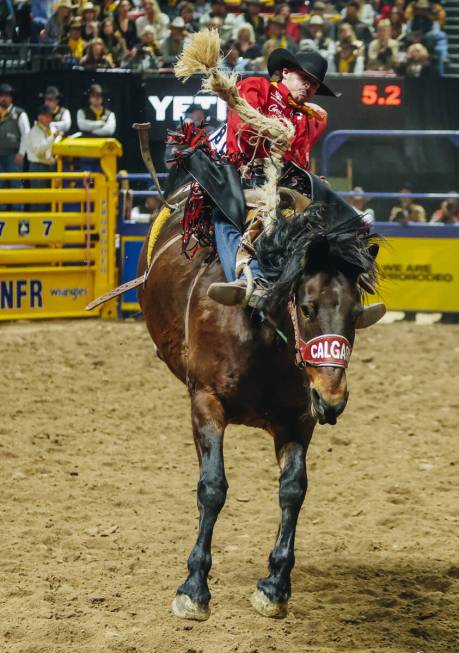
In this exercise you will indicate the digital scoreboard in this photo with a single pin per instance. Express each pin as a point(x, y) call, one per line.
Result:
point(381, 95)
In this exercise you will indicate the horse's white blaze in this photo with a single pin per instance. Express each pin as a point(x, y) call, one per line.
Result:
point(267, 608)
point(184, 608)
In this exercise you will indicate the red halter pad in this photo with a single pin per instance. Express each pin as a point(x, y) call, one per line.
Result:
point(328, 350)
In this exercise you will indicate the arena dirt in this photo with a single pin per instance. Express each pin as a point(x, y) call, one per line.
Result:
point(98, 515)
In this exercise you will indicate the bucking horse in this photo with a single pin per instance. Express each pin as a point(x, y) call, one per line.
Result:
point(282, 369)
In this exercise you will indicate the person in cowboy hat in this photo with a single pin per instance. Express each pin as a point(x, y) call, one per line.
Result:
point(96, 119)
point(40, 141)
point(58, 25)
point(14, 127)
point(61, 120)
point(295, 79)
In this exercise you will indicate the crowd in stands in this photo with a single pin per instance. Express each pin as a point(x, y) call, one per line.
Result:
point(403, 37)
point(408, 210)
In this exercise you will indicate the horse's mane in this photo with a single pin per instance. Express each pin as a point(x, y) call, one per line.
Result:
point(319, 239)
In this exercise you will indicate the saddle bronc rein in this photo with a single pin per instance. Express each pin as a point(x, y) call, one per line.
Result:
point(143, 130)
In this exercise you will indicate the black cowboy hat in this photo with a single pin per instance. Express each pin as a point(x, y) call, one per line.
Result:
point(194, 107)
point(44, 109)
point(95, 89)
point(52, 92)
point(6, 89)
point(311, 63)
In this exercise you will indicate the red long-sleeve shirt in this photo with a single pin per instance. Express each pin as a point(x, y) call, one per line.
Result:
point(271, 99)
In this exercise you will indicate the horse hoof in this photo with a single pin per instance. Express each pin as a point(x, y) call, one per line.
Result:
point(184, 608)
point(267, 608)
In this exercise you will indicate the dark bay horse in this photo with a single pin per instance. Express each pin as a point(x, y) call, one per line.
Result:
point(239, 369)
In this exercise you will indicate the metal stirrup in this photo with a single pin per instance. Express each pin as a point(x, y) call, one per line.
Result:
point(250, 285)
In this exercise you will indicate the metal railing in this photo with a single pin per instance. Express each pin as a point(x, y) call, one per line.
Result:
point(32, 57)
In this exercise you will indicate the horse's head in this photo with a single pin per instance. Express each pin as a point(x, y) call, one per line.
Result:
point(319, 281)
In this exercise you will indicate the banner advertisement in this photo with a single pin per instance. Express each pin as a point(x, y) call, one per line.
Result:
point(420, 273)
point(53, 293)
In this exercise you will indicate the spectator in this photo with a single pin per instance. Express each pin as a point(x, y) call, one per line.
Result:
point(169, 7)
point(292, 29)
point(245, 41)
point(318, 9)
point(58, 25)
point(96, 56)
point(14, 127)
point(155, 18)
point(95, 119)
point(196, 115)
point(61, 120)
point(448, 213)
point(421, 20)
point(74, 42)
point(398, 25)
point(230, 22)
point(140, 60)
point(359, 202)
point(277, 33)
point(90, 27)
point(346, 36)
point(423, 28)
point(217, 24)
point(417, 62)
point(7, 20)
point(39, 143)
point(144, 212)
point(322, 44)
point(367, 14)
point(233, 60)
point(40, 13)
point(253, 17)
point(108, 8)
point(186, 11)
point(348, 56)
point(124, 25)
point(173, 45)
point(407, 210)
point(260, 63)
point(307, 45)
point(149, 41)
point(201, 7)
point(351, 16)
point(435, 12)
point(144, 57)
point(383, 51)
point(113, 41)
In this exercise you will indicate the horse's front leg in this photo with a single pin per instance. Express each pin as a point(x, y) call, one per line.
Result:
point(192, 600)
point(272, 594)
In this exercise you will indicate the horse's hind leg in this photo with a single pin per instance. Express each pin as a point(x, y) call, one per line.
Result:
point(272, 594)
point(192, 600)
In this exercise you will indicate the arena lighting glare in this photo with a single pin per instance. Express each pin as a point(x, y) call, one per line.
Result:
point(390, 95)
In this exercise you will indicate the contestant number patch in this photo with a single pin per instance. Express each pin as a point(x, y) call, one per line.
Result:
point(14, 230)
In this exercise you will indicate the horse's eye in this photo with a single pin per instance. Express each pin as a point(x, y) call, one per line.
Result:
point(308, 311)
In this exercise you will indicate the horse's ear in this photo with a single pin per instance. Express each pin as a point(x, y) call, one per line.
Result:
point(370, 315)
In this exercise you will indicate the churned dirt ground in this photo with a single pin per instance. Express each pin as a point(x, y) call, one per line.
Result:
point(98, 476)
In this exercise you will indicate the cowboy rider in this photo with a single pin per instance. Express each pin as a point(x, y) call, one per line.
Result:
point(294, 81)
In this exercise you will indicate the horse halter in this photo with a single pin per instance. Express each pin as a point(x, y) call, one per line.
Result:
point(327, 350)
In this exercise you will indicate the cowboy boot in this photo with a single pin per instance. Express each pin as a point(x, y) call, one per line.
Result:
point(234, 293)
